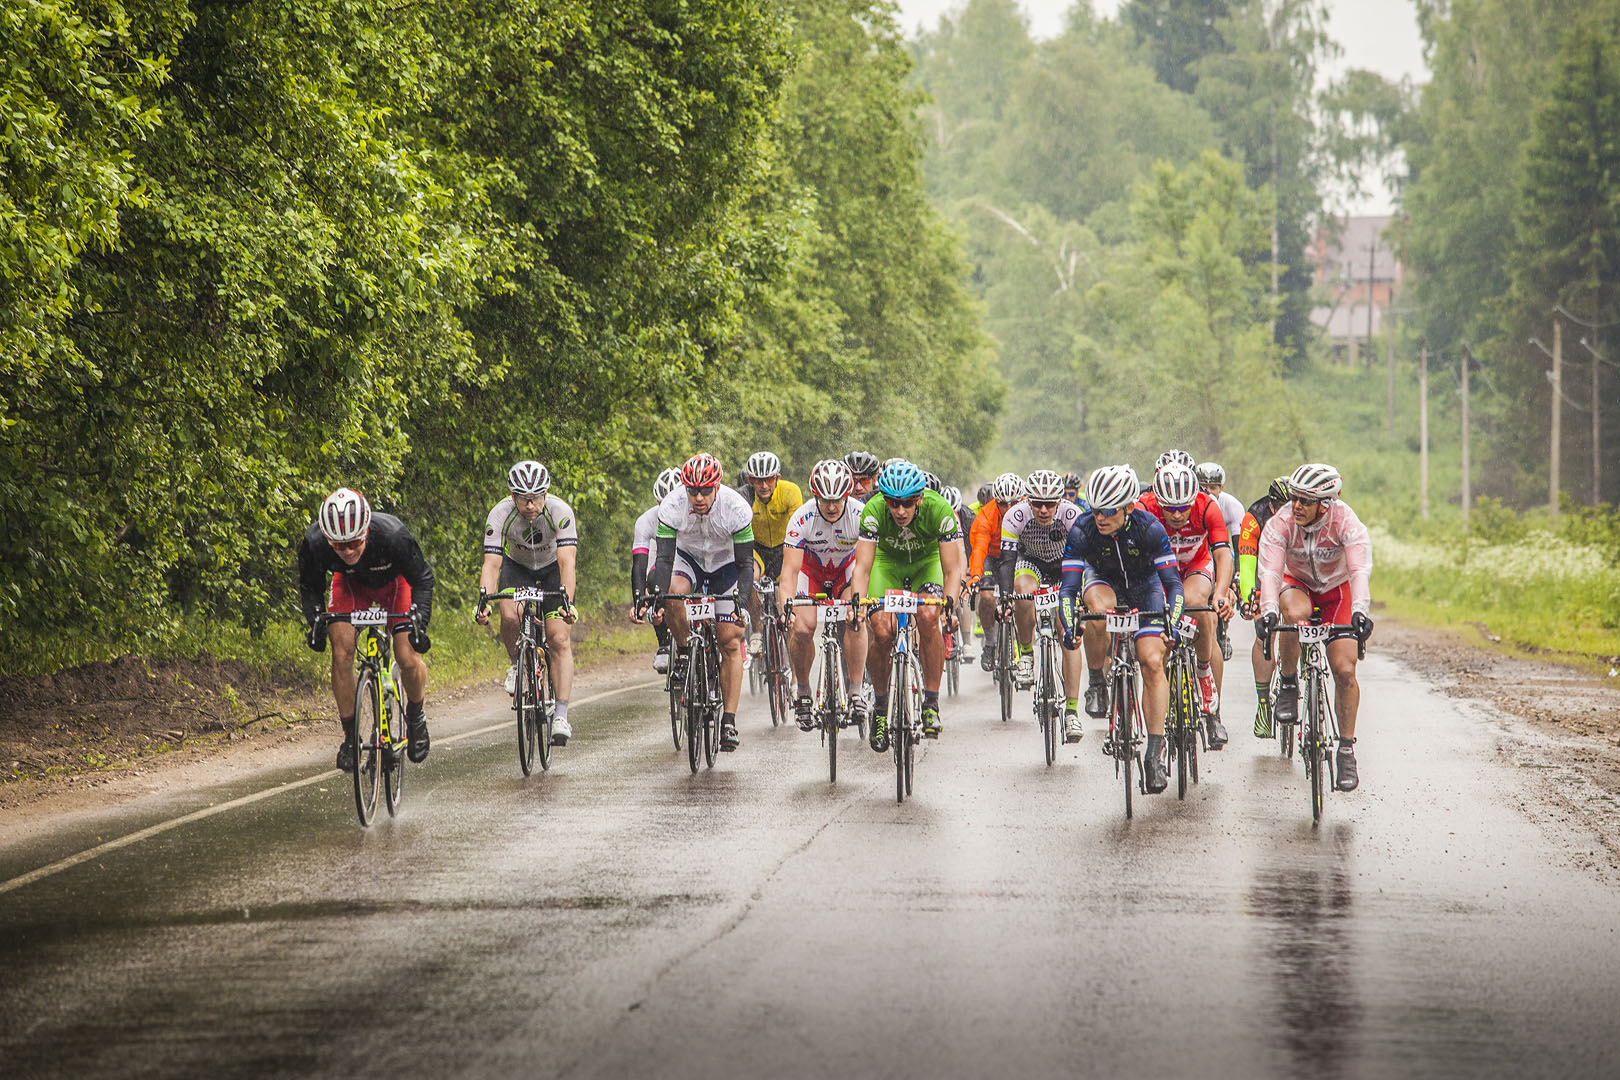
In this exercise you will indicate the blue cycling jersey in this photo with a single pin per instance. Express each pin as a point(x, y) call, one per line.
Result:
point(1127, 560)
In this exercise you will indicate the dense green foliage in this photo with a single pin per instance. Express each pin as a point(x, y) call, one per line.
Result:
point(1511, 211)
point(250, 252)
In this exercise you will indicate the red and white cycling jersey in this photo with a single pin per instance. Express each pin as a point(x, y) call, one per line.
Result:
point(1195, 541)
point(1319, 557)
point(828, 546)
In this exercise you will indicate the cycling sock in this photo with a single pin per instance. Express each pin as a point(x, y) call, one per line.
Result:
point(930, 699)
point(413, 710)
point(801, 690)
point(562, 710)
point(1094, 676)
point(1071, 704)
point(728, 719)
point(1206, 671)
point(1025, 650)
point(880, 704)
point(1262, 691)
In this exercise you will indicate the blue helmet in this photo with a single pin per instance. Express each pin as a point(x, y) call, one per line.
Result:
point(901, 480)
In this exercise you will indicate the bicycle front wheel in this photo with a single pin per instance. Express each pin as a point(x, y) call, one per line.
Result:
point(394, 760)
point(1004, 668)
point(677, 717)
point(523, 704)
point(899, 725)
point(1125, 733)
point(367, 744)
point(1183, 713)
point(695, 706)
point(1047, 699)
point(776, 674)
point(831, 705)
point(1315, 753)
point(545, 708)
point(711, 705)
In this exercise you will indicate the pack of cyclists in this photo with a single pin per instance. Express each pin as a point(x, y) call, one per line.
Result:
point(1176, 541)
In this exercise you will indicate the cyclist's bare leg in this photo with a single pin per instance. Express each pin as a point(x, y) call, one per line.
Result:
point(877, 657)
point(728, 635)
point(509, 628)
point(1295, 606)
point(341, 637)
point(1262, 667)
point(1196, 588)
point(1155, 690)
point(1098, 598)
point(1071, 671)
point(932, 644)
point(561, 643)
point(1341, 655)
point(412, 669)
point(1024, 608)
point(854, 644)
point(802, 643)
point(987, 614)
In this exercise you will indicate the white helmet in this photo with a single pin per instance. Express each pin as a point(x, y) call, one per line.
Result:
point(953, 496)
point(1175, 484)
point(667, 481)
point(529, 478)
point(1210, 472)
point(1045, 485)
point(1009, 487)
point(345, 516)
point(831, 479)
point(1112, 487)
point(1316, 481)
point(763, 464)
point(1180, 457)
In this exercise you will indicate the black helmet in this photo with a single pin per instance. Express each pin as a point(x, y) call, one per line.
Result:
point(1278, 491)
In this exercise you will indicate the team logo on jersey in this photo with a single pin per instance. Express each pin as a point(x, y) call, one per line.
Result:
point(490, 531)
point(563, 524)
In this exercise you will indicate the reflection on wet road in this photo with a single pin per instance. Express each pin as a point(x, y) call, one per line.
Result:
point(620, 916)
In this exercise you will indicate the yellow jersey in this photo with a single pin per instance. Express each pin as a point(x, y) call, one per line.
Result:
point(771, 519)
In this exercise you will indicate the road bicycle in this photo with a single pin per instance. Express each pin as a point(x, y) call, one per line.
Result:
point(1321, 728)
point(534, 698)
point(1003, 670)
point(1184, 728)
point(905, 685)
point(769, 670)
point(1049, 697)
point(956, 643)
point(1125, 727)
point(378, 741)
point(832, 711)
point(701, 698)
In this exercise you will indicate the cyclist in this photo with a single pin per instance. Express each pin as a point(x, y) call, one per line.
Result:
point(909, 535)
point(1315, 554)
point(374, 562)
point(863, 467)
point(981, 497)
point(1119, 552)
point(964, 611)
point(1248, 551)
point(1033, 534)
point(984, 558)
point(1071, 488)
point(641, 547)
point(531, 539)
point(1204, 558)
point(1178, 457)
point(1212, 479)
point(775, 501)
point(705, 543)
point(819, 556)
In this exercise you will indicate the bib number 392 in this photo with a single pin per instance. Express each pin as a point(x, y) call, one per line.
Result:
point(1312, 634)
point(900, 601)
point(700, 610)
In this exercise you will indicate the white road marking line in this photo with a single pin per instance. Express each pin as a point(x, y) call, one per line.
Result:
point(209, 811)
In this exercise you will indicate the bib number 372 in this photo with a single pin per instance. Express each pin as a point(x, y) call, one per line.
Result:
point(700, 610)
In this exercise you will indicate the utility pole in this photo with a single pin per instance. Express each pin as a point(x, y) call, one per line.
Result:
point(1372, 256)
point(1597, 427)
point(1389, 417)
point(1467, 486)
point(1423, 429)
point(1557, 416)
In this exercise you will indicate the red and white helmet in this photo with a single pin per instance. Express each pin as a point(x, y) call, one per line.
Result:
point(831, 479)
point(1175, 484)
point(702, 470)
point(345, 516)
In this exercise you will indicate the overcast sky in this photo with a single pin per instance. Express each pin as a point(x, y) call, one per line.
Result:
point(1380, 35)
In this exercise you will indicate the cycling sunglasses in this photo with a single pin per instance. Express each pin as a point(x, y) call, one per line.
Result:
point(706, 489)
point(1186, 509)
point(1297, 501)
point(348, 545)
point(1043, 504)
point(894, 503)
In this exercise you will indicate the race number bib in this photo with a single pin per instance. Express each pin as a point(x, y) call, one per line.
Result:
point(1187, 627)
point(372, 616)
point(700, 610)
point(898, 600)
point(1046, 599)
point(529, 592)
point(1312, 634)
point(833, 613)
point(1123, 622)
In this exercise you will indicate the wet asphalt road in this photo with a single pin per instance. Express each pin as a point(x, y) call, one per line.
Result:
point(621, 917)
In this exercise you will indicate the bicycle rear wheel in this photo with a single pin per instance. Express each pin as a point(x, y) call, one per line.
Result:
point(394, 760)
point(545, 708)
point(367, 742)
point(523, 704)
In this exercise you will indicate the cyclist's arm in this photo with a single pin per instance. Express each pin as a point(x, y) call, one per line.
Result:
point(1271, 564)
point(567, 569)
point(982, 535)
point(742, 548)
point(1170, 575)
point(1248, 546)
point(1074, 573)
point(311, 582)
point(1358, 560)
point(664, 561)
point(1009, 553)
point(415, 569)
point(638, 575)
point(1220, 546)
point(489, 576)
point(792, 560)
point(950, 564)
point(861, 577)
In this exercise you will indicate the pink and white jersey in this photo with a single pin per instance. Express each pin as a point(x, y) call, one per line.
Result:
point(645, 537)
point(1321, 556)
point(827, 544)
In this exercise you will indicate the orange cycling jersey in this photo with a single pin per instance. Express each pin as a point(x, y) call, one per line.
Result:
point(985, 538)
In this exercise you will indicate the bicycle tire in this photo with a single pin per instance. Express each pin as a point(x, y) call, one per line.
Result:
point(394, 762)
point(1124, 733)
point(367, 775)
point(712, 706)
point(830, 709)
point(899, 731)
point(523, 705)
point(695, 705)
point(677, 719)
point(1004, 672)
point(545, 708)
point(911, 750)
point(767, 652)
point(1046, 703)
point(1313, 740)
point(1183, 712)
